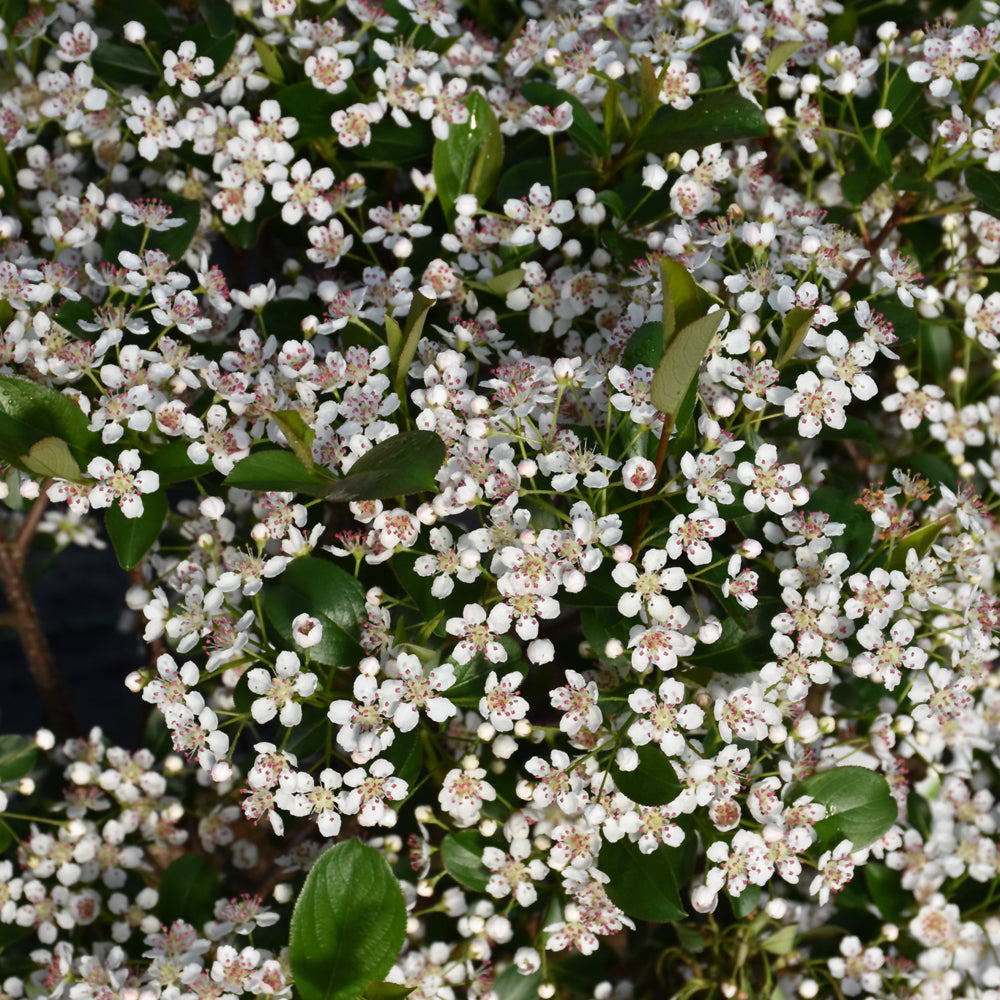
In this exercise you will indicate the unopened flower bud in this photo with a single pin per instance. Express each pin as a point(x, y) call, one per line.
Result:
point(134, 32)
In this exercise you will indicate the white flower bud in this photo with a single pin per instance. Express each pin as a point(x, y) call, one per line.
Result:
point(134, 32)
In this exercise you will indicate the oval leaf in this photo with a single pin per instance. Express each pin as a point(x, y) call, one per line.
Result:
point(648, 886)
point(680, 364)
point(859, 806)
point(17, 757)
point(133, 537)
point(406, 463)
point(52, 457)
point(277, 469)
point(348, 925)
point(188, 890)
point(462, 857)
point(326, 592)
point(653, 783)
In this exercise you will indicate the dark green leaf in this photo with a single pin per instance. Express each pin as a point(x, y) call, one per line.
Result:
point(17, 757)
point(325, 591)
point(857, 537)
point(406, 463)
point(985, 185)
point(393, 145)
point(124, 66)
point(645, 347)
point(653, 783)
point(859, 183)
point(614, 201)
point(30, 412)
point(410, 338)
point(171, 463)
point(648, 886)
point(716, 118)
point(277, 469)
point(584, 131)
point(489, 163)
point(386, 991)
point(311, 107)
point(188, 890)
point(860, 808)
point(746, 902)
point(173, 242)
point(406, 756)
point(348, 925)
point(218, 15)
point(886, 890)
point(149, 13)
point(461, 855)
point(133, 537)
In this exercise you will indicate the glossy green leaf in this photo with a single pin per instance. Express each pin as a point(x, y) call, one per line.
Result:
point(680, 363)
point(455, 156)
point(645, 347)
point(406, 463)
point(277, 469)
point(17, 757)
point(51, 457)
point(348, 925)
point(648, 886)
point(171, 463)
point(188, 890)
point(30, 412)
point(885, 887)
point(986, 187)
point(715, 118)
point(653, 783)
point(487, 166)
point(393, 145)
point(584, 131)
point(219, 17)
point(133, 537)
point(795, 327)
point(322, 589)
point(461, 855)
point(860, 808)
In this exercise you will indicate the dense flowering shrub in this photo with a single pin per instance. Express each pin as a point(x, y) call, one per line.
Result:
point(554, 446)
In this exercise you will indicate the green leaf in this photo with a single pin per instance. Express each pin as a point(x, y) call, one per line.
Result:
point(133, 537)
point(123, 66)
point(716, 118)
point(885, 887)
point(746, 902)
point(311, 107)
point(386, 991)
point(680, 364)
point(511, 985)
point(489, 162)
point(171, 463)
point(188, 890)
point(859, 805)
point(859, 530)
point(455, 156)
point(682, 299)
point(986, 187)
point(348, 925)
point(415, 319)
point(393, 145)
point(219, 17)
point(779, 55)
point(858, 184)
point(17, 757)
point(406, 463)
point(298, 434)
point(51, 457)
point(918, 541)
point(781, 942)
point(584, 131)
point(653, 783)
point(506, 281)
point(328, 593)
point(795, 327)
point(461, 855)
point(30, 412)
point(645, 346)
point(648, 886)
point(277, 469)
